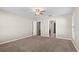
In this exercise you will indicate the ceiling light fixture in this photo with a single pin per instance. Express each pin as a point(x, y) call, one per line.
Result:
point(39, 11)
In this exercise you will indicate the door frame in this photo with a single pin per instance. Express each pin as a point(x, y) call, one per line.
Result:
point(54, 30)
point(34, 28)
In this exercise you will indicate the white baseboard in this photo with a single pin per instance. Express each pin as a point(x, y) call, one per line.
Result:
point(75, 45)
point(64, 38)
point(15, 39)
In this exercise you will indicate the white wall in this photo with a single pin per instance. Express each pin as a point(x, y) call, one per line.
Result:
point(76, 33)
point(45, 28)
point(13, 26)
point(34, 28)
point(64, 26)
point(73, 25)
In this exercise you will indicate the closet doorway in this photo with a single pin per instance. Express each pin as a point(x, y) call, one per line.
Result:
point(37, 28)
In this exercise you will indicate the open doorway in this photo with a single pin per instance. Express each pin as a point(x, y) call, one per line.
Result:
point(36, 28)
point(52, 29)
point(39, 28)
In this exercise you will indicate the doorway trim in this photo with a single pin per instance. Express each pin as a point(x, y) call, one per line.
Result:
point(54, 28)
point(34, 27)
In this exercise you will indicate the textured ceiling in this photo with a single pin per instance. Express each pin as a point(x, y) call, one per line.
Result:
point(28, 11)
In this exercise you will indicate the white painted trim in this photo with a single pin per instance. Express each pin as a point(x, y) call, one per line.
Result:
point(14, 39)
point(64, 38)
point(75, 45)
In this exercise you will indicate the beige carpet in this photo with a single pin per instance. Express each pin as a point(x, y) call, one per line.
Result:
point(38, 44)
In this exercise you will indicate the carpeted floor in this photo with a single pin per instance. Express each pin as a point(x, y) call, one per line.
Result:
point(38, 44)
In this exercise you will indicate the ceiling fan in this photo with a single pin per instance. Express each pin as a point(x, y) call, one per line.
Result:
point(39, 11)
